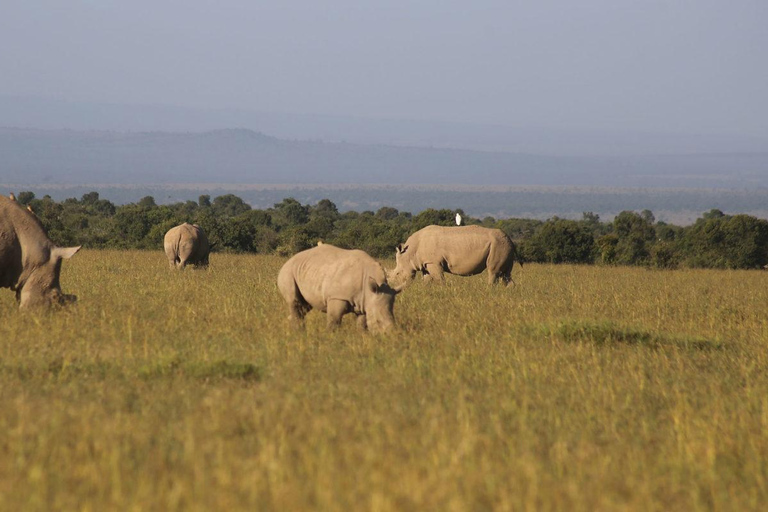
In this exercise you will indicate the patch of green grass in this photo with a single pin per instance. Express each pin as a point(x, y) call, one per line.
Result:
point(201, 370)
point(608, 333)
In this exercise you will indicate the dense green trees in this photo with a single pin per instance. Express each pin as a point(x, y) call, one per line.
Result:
point(561, 241)
point(724, 241)
point(715, 240)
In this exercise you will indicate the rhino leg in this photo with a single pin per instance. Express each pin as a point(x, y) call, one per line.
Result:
point(499, 270)
point(434, 272)
point(335, 310)
point(297, 310)
point(500, 261)
point(298, 307)
point(506, 272)
point(503, 275)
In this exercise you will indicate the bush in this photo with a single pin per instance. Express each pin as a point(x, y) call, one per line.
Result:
point(723, 241)
point(561, 241)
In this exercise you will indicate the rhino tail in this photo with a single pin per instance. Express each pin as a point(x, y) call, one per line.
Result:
point(177, 249)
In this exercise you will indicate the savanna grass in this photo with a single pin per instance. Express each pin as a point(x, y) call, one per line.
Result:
point(578, 388)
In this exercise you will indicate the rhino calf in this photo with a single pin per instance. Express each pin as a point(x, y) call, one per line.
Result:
point(185, 245)
point(337, 281)
point(459, 250)
point(30, 264)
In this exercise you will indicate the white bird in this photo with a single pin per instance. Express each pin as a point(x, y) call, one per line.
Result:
point(458, 219)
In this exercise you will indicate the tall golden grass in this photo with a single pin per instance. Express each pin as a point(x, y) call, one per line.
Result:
point(579, 388)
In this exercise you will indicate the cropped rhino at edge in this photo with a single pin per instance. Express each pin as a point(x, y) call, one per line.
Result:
point(186, 244)
point(30, 263)
point(459, 250)
point(337, 281)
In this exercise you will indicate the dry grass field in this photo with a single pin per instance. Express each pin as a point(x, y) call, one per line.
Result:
point(580, 388)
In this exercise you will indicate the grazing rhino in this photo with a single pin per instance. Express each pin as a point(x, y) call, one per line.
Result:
point(30, 264)
point(337, 281)
point(186, 245)
point(459, 250)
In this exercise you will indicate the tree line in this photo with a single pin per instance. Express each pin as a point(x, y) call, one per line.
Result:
point(715, 240)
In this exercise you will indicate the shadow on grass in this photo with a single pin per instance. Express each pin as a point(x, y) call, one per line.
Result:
point(201, 370)
point(607, 333)
point(61, 369)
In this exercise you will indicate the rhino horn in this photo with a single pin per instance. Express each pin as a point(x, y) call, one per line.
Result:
point(65, 252)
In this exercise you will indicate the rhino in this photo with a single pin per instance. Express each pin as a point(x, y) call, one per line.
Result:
point(186, 244)
point(337, 281)
point(459, 250)
point(30, 264)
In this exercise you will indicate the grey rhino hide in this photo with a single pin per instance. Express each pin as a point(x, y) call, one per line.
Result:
point(30, 264)
point(459, 250)
point(337, 281)
point(186, 244)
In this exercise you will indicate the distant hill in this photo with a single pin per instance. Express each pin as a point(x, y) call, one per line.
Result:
point(246, 156)
point(54, 113)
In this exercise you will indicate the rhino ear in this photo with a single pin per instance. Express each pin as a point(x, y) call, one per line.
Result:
point(401, 248)
point(64, 252)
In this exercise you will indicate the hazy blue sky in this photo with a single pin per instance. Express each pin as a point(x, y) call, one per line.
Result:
point(693, 66)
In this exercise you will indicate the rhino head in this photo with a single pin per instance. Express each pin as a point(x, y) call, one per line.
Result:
point(379, 304)
point(404, 271)
point(41, 286)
